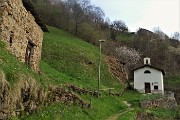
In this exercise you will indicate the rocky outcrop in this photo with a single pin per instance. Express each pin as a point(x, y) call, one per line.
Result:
point(177, 95)
point(145, 32)
point(116, 69)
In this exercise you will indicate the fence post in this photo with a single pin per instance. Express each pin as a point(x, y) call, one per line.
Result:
point(90, 102)
point(109, 92)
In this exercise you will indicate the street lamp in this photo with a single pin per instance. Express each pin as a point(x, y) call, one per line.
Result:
point(99, 70)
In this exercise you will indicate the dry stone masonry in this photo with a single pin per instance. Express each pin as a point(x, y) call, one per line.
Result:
point(167, 103)
point(22, 31)
point(26, 96)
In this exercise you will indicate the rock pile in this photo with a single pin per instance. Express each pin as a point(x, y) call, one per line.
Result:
point(80, 91)
point(59, 94)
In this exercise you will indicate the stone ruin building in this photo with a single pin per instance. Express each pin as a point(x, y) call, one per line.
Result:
point(22, 31)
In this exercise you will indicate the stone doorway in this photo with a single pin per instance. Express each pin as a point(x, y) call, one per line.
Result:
point(29, 53)
point(147, 88)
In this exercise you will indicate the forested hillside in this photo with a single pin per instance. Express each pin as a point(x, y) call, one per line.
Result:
point(89, 22)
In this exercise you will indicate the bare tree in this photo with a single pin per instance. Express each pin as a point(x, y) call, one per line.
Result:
point(79, 10)
point(176, 35)
point(160, 33)
point(97, 15)
point(118, 27)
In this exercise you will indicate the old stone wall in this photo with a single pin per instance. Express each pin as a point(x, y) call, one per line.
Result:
point(17, 28)
point(177, 95)
point(167, 103)
point(25, 96)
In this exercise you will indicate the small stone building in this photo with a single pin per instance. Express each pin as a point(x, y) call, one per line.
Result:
point(148, 79)
point(22, 31)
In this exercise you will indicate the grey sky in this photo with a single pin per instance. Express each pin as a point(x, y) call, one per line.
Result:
point(144, 13)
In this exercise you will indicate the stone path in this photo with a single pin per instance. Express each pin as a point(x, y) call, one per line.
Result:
point(116, 116)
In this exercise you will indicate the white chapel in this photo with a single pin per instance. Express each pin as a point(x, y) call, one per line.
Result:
point(148, 79)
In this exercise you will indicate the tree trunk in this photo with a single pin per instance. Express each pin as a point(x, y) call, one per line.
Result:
point(76, 29)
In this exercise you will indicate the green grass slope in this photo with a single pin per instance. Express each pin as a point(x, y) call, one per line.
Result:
point(76, 60)
point(12, 68)
point(102, 108)
point(82, 71)
point(66, 59)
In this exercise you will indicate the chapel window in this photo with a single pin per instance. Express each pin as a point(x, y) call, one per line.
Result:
point(155, 87)
point(147, 72)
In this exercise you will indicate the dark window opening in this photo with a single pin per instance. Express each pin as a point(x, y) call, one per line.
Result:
point(147, 72)
point(9, 13)
point(10, 41)
point(1, 29)
point(29, 53)
point(146, 61)
point(25, 94)
point(11, 38)
point(155, 87)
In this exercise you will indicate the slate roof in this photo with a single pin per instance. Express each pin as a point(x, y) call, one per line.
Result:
point(147, 65)
point(29, 7)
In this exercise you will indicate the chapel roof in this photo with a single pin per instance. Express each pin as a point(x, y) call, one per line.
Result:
point(29, 7)
point(150, 66)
